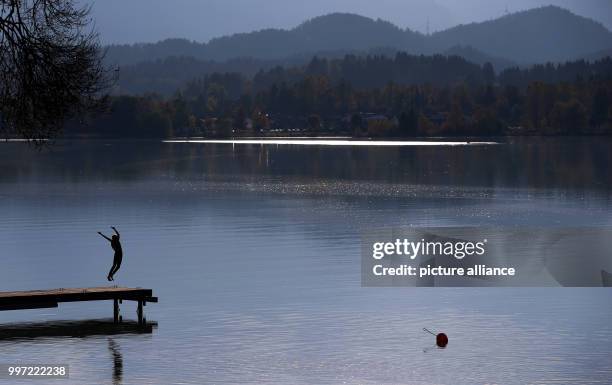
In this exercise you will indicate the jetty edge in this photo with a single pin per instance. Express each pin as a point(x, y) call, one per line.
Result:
point(40, 299)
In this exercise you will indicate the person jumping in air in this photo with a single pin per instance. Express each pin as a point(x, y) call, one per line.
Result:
point(116, 245)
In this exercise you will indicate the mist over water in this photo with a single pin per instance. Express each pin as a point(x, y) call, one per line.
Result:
point(254, 253)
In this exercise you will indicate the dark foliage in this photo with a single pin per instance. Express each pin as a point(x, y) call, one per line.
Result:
point(404, 96)
point(49, 67)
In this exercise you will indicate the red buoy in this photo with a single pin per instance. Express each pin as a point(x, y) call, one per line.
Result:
point(441, 340)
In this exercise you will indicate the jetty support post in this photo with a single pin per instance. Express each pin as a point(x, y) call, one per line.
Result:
point(140, 312)
point(116, 310)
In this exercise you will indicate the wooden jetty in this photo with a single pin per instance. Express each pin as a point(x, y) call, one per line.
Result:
point(40, 299)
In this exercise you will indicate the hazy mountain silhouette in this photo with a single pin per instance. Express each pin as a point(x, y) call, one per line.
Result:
point(533, 36)
point(538, 35)
point(334, 32)
point(353, 32)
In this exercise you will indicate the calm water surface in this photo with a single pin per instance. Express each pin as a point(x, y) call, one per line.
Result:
point(254, 253)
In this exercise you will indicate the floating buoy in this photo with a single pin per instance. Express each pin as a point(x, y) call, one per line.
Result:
point(441, 338)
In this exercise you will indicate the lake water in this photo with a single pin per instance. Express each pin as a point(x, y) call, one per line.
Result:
point(254, 253)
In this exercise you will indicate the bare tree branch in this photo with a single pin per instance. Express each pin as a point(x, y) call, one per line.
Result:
point(50, 67)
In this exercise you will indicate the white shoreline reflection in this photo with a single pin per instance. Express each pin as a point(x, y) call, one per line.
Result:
point(331, 142)
point(22, 140)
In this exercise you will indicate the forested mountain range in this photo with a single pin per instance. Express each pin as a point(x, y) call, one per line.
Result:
point(544, 71)
point(166, 76)
point(528, 37)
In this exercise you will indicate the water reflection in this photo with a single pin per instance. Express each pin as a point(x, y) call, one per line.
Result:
point(273, 279)
point(567, 163)
point(115, 352)
point(76, 329)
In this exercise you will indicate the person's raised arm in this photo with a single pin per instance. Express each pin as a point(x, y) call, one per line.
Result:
point(105, 237)
point(116, 232)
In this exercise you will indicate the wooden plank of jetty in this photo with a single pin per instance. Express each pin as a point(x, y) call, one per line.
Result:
point(38, 299)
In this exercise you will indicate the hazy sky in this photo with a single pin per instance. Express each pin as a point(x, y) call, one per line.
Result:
point(127, 21)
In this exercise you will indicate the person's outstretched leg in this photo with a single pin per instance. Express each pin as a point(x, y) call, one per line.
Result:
point(110, 273)
point(117, 266)
point(115, 269)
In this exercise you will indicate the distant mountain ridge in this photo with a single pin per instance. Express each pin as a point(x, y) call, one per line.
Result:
point(533, 36)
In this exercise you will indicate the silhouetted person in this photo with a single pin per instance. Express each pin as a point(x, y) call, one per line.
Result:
point(116, 245)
